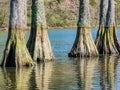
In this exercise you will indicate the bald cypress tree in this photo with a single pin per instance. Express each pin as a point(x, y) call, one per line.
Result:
point(16, 53)
point(39, 44)
point(106, 41)
point(84, 45)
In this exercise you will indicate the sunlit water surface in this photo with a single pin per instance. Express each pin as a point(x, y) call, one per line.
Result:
point(64, 73)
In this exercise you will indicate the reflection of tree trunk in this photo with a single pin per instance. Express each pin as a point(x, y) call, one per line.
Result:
point(86, 69)
point(4, 82)
point(17, 79)
point(43, 75)
point(117, 79)
point(106, 41)
point(39, 44)
point(84, 45)
point(108, 69)
point(16, 53)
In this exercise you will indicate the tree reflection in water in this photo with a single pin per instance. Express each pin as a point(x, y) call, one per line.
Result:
point(36, 78)
point(96, 73)
point(108, 72)
point(83, 74)
point(43, 74)
point(16, 79)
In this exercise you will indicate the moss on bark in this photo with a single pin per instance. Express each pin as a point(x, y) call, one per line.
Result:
point(84, 45)
point(107, 42)
point(39, 45)
point(16, 53)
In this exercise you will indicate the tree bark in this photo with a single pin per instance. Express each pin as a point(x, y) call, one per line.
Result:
point(106, 41)
point(84, 45)
point(16, 53)
point(39, 44)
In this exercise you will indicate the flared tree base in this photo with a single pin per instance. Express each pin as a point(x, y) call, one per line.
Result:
point(39, 45)
point(84, 45)
point(107, 42)
point(16, 53)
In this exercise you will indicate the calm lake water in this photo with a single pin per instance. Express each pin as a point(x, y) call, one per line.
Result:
point(64, 73)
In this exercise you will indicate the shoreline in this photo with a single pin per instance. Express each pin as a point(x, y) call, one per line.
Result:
point(50, 28)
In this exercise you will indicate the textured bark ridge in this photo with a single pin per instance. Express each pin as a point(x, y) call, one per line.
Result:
point(84, 45)
point(39, 44)
point(16, 53)
point(106, 41)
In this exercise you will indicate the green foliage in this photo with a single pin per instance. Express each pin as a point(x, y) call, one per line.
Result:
point(4, 13)
point(59, 18)
point(60, 1)
point(93, 2)
point(56, 14)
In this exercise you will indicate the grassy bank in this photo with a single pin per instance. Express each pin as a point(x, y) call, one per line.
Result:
point(59, 13)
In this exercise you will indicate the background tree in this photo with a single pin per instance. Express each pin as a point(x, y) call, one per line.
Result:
point(16, 53)
point(83, 45)
point(38, 44)
point(106, 41)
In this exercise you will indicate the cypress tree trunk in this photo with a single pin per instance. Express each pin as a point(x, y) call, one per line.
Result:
point(38, 44)
point(106, 41)
point(84, 45)
point(16, 53)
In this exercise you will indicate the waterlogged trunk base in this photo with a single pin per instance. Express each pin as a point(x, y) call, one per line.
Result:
point(107, 42)
point(84, 45)
point(39, 45)
point(16, 53)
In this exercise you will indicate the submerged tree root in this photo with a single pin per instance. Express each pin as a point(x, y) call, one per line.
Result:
point(84, 45)
point(16, 53)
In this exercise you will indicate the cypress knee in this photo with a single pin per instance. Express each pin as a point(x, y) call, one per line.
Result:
point(84, 45)
point(39, 44)
point(16, 53)
point(106, 41)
